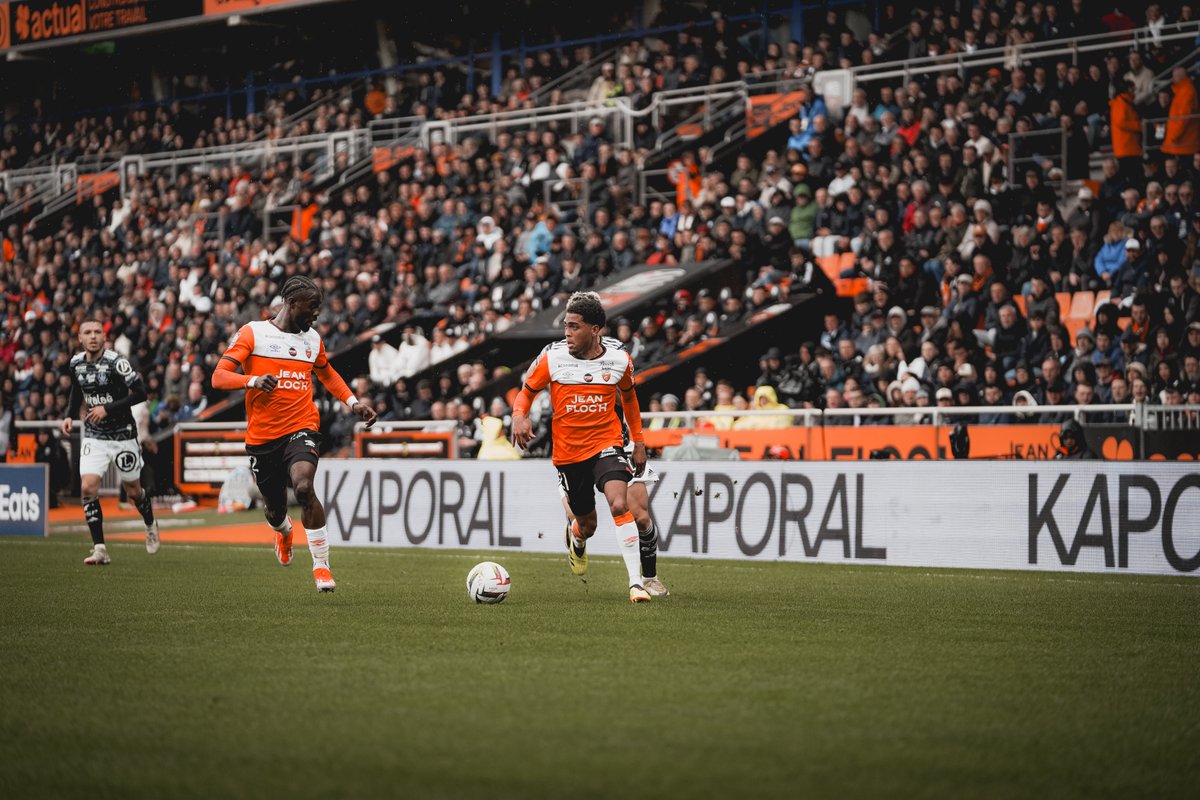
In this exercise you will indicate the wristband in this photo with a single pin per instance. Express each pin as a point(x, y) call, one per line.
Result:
point(351, 401)
point(252, 383)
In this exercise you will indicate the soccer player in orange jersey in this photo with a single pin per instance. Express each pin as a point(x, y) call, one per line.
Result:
point(278, 358)
point(585, 378)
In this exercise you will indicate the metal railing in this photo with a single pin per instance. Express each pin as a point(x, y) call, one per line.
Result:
point(1152, 141)
point(572, 117)
point(927, 415)
point(1020, 54)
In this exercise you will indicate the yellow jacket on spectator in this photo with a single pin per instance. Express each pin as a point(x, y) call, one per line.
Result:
point(723, 423)
point(495, 445)
point(765, 400)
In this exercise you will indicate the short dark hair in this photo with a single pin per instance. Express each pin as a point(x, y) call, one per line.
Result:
point(588, 306)
point(299, 286)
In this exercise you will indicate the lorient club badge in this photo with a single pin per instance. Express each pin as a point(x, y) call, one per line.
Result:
point(307, 351)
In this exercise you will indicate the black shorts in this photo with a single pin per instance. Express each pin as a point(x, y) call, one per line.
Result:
point(581, 479)
point(271, 462)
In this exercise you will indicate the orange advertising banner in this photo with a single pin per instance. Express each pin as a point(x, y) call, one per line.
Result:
point(905, 442)
point(5, 34)
point(214, 7)
point(765, 111)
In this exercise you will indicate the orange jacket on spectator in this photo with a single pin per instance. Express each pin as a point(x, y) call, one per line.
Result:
point(1126, 127)
point(1183, 135)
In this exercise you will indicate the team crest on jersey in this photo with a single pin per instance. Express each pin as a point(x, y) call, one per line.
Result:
point(605, 376)
point(307, 351)
point(292, 352)
point(587, 377)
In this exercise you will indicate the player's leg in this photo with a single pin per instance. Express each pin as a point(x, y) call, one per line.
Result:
point(575, 482)
point(271, 478)
point(615, 487)
point(93, 462)
point(128, 459)
point(90, 491)
point(302, 468)
point(638, 498)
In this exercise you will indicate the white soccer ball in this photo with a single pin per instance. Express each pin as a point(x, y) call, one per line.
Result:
point(488, 582)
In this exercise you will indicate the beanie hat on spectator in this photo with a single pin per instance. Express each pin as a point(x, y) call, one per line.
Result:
point(944, 393)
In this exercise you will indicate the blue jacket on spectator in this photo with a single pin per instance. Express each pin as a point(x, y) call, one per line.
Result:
point(808, 112)
point(1109, 258)
point(540, 240)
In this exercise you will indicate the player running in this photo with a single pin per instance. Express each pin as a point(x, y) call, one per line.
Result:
point(638, 496)
point(105, 382)
point(278, 358)
point(585, 378)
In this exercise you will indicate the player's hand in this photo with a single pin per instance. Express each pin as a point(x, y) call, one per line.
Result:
point(639, 459)
point(266, 383)
point(65, 427)
point(522, 431)
point(151, 446)
point(96, 413)
point(364, 412)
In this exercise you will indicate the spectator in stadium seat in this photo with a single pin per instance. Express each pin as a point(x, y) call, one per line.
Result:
point(1108, 258)
point(383, 362)
point(196, 403)
point(1130, 276)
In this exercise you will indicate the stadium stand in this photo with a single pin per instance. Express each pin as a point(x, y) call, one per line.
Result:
point(1004, 203)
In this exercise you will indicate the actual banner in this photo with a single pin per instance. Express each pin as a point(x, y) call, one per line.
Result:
point(24, 494)
point(1066, 516)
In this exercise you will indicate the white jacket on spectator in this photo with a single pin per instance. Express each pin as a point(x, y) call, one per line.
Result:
point(412, 356)
point(383, 363)
point(447, 347)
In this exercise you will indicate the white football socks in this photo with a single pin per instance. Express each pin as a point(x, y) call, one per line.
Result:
point(284, 527)
point(318, 545)
point(627, 540)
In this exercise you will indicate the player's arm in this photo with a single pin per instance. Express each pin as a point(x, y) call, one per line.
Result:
point(229, 374)
point(633, 418)
point(74, 406)
point(337, 387)
point(135, 392)
point(536, 379)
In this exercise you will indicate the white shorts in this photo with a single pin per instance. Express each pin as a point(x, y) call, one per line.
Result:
point(97, 454)
point(648, 476)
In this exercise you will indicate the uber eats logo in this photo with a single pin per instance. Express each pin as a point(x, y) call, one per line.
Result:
point(20, 505)
point(1142, 505)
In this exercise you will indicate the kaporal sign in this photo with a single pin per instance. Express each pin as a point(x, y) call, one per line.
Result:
point(1063, 516)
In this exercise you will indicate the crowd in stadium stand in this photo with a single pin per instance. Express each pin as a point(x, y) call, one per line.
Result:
point(969, 287)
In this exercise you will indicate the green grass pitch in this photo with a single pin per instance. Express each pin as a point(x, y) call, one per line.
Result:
point(209, 671)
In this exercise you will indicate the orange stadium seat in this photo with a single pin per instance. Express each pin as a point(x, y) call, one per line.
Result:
point(846, 260)
point(1019, 300)
point(1064, 303)
point(1082, 304)
point(1102, 297)
point(829, 265)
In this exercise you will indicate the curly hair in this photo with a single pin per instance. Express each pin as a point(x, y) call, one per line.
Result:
point(588, 306)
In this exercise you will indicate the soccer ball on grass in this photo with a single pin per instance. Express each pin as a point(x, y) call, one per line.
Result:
point(488, 582)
